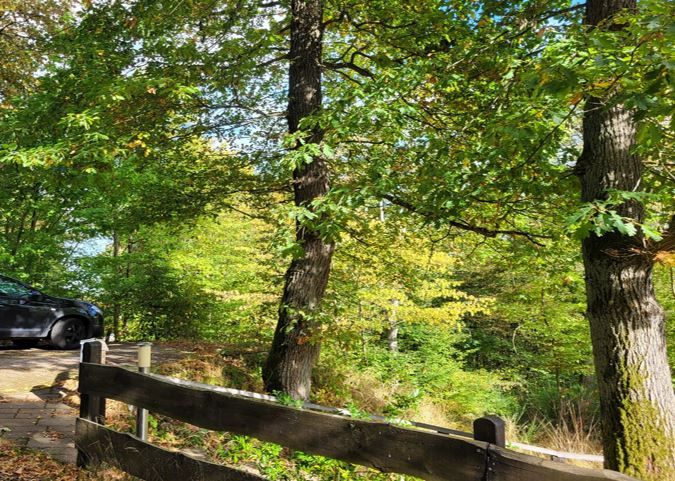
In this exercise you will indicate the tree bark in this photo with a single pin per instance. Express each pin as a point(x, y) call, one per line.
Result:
point(392, 330)
point(296, 345)
point(116, 305)
point(627, 323)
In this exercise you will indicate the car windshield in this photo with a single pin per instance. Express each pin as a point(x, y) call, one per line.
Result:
point(11, 288)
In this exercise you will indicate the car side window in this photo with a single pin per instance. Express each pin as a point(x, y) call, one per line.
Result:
point(12, 288)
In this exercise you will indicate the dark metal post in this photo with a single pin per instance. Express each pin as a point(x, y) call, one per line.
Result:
point(491, 429)
point(144, 361)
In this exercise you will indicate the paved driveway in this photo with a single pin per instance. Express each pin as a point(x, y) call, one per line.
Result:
point(32, 413)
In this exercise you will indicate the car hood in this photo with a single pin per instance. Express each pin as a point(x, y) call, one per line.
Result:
point(65, 302)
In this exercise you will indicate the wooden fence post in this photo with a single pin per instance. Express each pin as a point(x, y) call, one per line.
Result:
point(490, 429)
point(92, 408)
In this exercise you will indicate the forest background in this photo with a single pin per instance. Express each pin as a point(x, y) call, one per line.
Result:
point(145, 166)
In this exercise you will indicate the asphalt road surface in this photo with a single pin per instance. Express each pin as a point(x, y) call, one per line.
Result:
point(23, 369)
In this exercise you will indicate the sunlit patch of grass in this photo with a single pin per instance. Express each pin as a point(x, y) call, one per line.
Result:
point(212, 364)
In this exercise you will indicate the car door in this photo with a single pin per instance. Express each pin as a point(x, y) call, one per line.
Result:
point(20, 314)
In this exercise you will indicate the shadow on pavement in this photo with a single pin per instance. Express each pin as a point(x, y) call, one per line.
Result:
point(53, 391)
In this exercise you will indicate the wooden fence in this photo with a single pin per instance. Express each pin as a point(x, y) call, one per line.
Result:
point(379, 445)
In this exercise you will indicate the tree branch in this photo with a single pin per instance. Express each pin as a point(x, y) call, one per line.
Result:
point(459, 224)
point(351, 66)
point(667, 244)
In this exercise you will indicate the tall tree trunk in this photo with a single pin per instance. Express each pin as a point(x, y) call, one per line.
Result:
point(116, 305)
point(296, 347)
point(19, 234)
point(627, 324)
point(124, 316)
point(392, 330)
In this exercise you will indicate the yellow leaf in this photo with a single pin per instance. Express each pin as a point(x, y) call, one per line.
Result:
point(667, 258)
point(576, 98)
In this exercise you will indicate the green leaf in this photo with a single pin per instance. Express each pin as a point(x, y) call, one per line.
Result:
point(625, 228)
point(651, 233)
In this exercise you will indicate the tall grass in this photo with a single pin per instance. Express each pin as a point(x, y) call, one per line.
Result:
point(575, 429)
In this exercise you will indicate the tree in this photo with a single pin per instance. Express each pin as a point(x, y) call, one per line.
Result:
point(496, 168)
point(395, 277)
point(25, 25)
point(627, 323)
point(296, 346)
point(449, 113)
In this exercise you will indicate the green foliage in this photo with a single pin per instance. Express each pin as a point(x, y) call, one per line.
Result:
point(143, 165)
point(429, 366)
point(287, 400)
point(536, 334)
point(601, 217)
point(275, 464)
point(27, 26)
point(207, 280)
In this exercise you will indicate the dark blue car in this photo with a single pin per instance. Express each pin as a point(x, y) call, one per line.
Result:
point(27, 315)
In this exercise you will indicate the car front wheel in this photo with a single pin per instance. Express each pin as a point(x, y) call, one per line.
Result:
point(67, 333)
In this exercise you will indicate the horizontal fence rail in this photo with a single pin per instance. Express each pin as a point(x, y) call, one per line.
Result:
point(593, 458)
point(383, 446)
point(315, 407)
point(146, 461)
